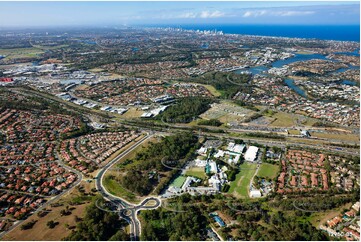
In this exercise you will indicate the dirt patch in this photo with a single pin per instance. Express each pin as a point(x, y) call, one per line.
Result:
point(40, 230)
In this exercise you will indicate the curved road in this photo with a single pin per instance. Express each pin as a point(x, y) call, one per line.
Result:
point(128, 210)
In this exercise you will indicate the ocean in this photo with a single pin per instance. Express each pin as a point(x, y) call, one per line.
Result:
point(323, 32)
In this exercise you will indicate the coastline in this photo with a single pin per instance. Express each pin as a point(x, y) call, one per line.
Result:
point(348, 33)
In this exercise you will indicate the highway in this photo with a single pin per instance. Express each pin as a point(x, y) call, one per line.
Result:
point(272, 142)
point(127, 210)
point(181, 127)
point(267, 141)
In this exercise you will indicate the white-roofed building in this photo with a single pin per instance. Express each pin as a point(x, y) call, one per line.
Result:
point(238, 148)
point(213, 179)
point(122, 110)
point(255, 193)
point(224, 168)
point(213, 167)
point(220, 153)
point(202, 151)
point(106, 108)
point(356, 206)
point(251, 153)
point(201, 163)
point(146, 115)
point(174, 190)
point(234, 159)
point(187, 183)
point(230, 146)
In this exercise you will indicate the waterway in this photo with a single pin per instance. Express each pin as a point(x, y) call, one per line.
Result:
point(354, 53)
point(298, 57)
point(67, 82)
point(348, 68)
point(348, 82)
point(262, 70)
point(257, 70)
point(297, 89)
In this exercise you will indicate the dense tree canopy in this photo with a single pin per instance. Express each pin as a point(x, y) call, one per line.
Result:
point(165, 225)
point(185, 110)
point(228, 83)
point(98, 225)
point(177, 148)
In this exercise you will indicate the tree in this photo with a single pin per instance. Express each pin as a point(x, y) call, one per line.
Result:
point(96, 225)
point(28, 225)
point(187, 225)
point(51, 224)
point(121, 235)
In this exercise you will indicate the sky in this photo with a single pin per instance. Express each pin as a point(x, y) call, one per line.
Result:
point(37, 14)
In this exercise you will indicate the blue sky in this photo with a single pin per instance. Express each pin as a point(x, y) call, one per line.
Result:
point(24, 14)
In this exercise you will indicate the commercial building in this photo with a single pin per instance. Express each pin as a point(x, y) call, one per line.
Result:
point(251, 153)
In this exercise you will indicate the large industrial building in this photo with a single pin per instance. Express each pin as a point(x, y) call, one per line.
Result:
point(251, 153)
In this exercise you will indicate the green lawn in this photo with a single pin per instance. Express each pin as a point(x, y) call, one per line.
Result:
point(114, 188)
point(268, 170)
point(178, 182)
point(196, 172)
point(240, 186)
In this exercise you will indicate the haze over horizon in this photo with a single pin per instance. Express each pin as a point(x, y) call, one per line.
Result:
point(40, 14)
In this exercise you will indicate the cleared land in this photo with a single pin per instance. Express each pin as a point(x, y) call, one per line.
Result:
point(317, 219)
point(240, 186)
point(264, 120)
point(132, 113)
point(212, 90)
point(268, 170)
point(305, 52)
point(294, 131)
point(284, 119)
point(227, 112)
point(20, 53)
point(346, 137)
point(97, 70)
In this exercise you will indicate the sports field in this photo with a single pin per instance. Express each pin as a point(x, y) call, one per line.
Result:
point(178, 182)
point(196, 172)
point(240, 186)
point(268, 170)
